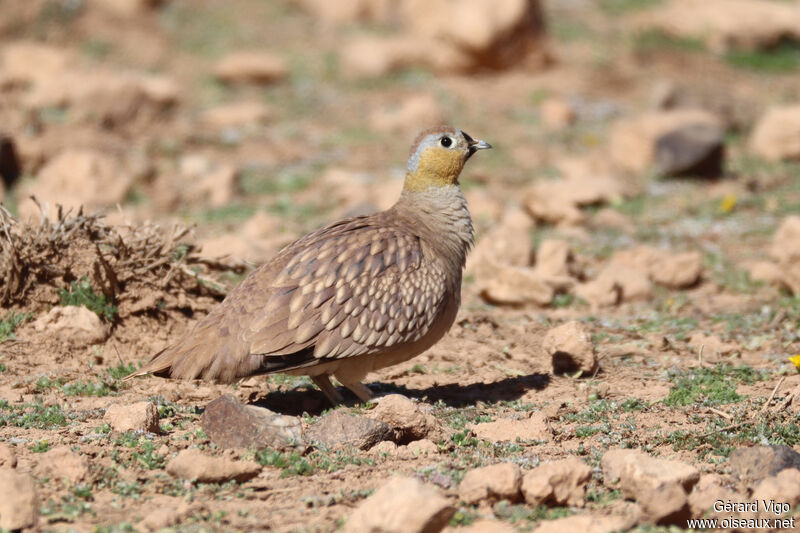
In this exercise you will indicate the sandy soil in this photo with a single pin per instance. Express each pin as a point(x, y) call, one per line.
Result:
point(684, 373)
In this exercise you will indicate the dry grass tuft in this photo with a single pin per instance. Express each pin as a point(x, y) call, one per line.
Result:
point(142, 269)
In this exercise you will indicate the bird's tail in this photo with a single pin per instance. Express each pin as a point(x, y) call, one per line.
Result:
point(159, 364)
point(203, 353)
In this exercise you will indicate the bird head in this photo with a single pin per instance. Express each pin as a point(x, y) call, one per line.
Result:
point(437, 157)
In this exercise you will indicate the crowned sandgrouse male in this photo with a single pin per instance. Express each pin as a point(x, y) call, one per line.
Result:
point(358, 295)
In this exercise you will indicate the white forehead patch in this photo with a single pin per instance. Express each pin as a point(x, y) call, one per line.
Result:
point(426, 142)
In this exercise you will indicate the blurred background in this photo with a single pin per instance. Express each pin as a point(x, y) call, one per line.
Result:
point(615, 122)
point(637, 259)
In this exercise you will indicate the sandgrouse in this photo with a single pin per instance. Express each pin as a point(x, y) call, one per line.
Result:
point(358, 295)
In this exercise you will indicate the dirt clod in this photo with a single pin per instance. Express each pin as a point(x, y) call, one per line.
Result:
point(402, 505)
point(570, 347)
point(139, 416)
point(251, 67)
point(19, 504)
point(661, 486)
point(63, 463)
point(8, 457)
point(510, 429)
point(193, 465)
point(495, 482)
point(74, 324)
point(783, 487)
point(557, 483)
point(407, 418)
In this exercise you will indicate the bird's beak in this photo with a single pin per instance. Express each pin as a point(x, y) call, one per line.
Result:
point(474, 145)
point(479, 145)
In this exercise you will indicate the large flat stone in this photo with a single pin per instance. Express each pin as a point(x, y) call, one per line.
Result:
point(230, 424)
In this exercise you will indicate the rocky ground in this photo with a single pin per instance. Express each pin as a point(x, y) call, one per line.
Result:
point(628, 347)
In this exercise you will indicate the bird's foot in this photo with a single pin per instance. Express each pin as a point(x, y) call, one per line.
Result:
point(323, 381)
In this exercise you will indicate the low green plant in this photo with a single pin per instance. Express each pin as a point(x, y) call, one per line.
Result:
point(121, 370)
point(293, 463)
point(519, 514)
point(9, 324)
point(81, 293)
point(655, 40)
point(616, 7)
point(40, 447)
point(32, 415)
point(785, 57)
point(77, 388)
point(711, 386)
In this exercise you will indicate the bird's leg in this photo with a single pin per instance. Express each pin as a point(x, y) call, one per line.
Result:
point(323, 381)
point(360, 390)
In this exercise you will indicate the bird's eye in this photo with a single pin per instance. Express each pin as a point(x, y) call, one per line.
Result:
point(446, 141)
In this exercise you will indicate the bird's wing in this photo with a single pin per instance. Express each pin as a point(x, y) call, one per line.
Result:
point(349, 291)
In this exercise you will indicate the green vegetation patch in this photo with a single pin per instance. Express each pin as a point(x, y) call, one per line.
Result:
point(32, 415)
point(654, 40)
point(711, 386)
point(78, 388)
point(9, 324)
point(81, 293)
point(601, 409)
point(296, 464)
point(782, 58)
point(616, 7)
point(720, 437)
point(121, 370)
point(520, 514)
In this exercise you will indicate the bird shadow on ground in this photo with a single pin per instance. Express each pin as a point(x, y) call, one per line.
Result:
point(309, 400)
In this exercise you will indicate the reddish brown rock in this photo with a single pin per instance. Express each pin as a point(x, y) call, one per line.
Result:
point(407, 418)
point(710, 489)
point(783, 488)
point(560, 201)
point(251, 67)
point(77, 178)
point(533, 428)
point(74, 324)
point(557, 113)
point(244, 114)
point(402, 505)
point(495, 482)
point(8, 457)
point(230, 424)
point(19, 503)
point(570, 348)
point(342, 430)
point(63, 463)
point(660, 486)
point(776, 136)
point(510, 285)
point(785, 247)
point(678, 271)
point(726, 25)
point(675, 143)
point(557, 483)
point(139, 416)
point(193, 465)
point(496, 35)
